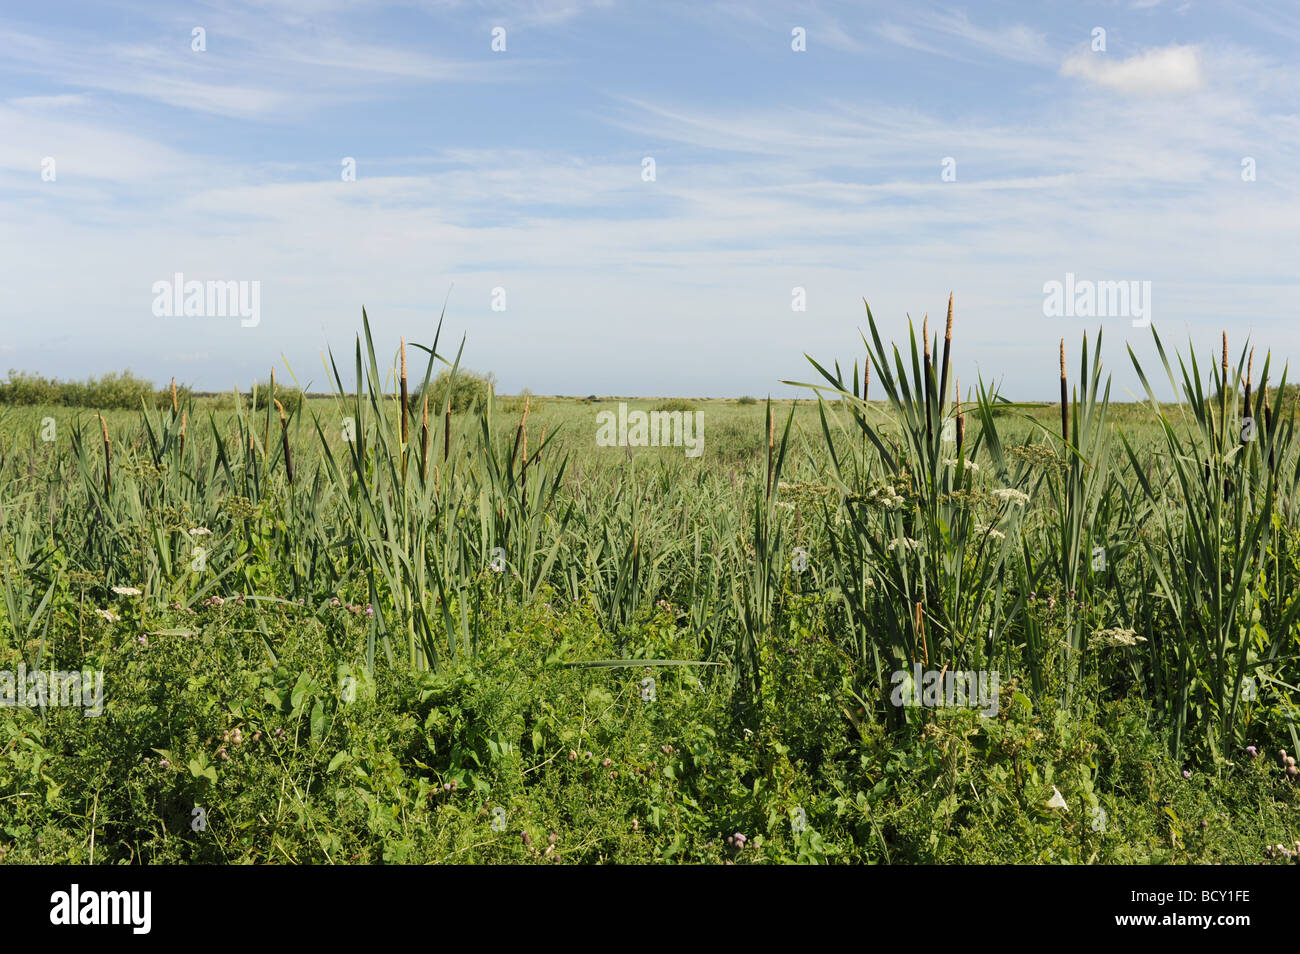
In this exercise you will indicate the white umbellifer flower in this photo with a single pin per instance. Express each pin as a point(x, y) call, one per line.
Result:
point(1011, 495)
point(1117, 636)
point(990, 531)
point(970, 465)
point(109, 617)
point(126, 591)
point(200, 532)
point(905, 542)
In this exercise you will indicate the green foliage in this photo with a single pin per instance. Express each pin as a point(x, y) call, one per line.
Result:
point(469, 390)
point(261, 397)
point(362, 663)
point(675, 404)
point(111, 391)
point(517, 403)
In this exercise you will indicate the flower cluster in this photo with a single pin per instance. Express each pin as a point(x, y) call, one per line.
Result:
point(905, 543)
point(880, 494)
point(1009, 495)
point(1282, 852)
point(1116, 636)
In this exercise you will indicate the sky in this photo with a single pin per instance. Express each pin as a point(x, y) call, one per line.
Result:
point(805, 157)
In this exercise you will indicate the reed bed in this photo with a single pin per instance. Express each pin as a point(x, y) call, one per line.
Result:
point(1165, 570)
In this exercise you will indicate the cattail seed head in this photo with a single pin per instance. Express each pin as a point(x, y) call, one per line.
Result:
point(1065, 400)
point(284, 442)
point(446, 434)
point(108, 454)
point(405, 404)
point(947, 348)
point(424, 437)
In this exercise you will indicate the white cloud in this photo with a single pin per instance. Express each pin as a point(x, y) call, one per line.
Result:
point(1169, 69)
point(954, 36)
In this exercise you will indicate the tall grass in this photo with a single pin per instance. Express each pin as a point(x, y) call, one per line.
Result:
point(953, 530)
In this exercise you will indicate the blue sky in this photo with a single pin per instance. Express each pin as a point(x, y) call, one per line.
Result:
point(522, 169)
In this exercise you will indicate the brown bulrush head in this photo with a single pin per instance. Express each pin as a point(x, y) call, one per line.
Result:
point(920, 631)
point(108, 455)
point(866, 379)
point(947, 347)
point(284, 442)
point(405, 403)
point(446, 433)
point(185, 416)
point(424, 437)
point(1065, 400)
point(175, 404)
point(1250, 373)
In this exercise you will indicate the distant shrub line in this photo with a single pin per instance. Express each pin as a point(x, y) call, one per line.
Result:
point(112, 390)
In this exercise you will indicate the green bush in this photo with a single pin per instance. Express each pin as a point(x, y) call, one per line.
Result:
point(290, 398)
point(162, 398)
point(112, 391)
point(516, 404)
point(24, 388)
point(675, 404)
point(746, 400)
point(469, 391)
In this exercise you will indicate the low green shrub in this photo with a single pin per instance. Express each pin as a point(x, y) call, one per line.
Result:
point(113, 391)
point(469, 391)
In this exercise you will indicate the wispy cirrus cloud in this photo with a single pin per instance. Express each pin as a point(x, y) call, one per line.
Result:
point(953, 34)
point(776, 168)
